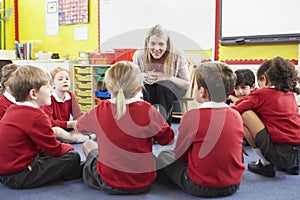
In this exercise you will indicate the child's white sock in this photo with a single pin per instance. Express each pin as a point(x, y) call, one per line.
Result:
point(92, 136)
point(82, 137)
point(85, 137)
point(263, 160)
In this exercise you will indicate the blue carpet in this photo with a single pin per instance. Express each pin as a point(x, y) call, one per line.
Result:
point(253, 187)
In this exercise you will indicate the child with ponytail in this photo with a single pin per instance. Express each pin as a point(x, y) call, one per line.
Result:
point(121, 161)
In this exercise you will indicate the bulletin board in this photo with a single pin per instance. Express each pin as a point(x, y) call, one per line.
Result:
point(73, 12)
point(123, 24)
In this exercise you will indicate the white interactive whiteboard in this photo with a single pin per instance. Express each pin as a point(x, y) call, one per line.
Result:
point(123, 23)
point(260, 21)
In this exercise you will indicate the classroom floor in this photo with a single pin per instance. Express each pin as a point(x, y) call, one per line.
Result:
point(253, 187)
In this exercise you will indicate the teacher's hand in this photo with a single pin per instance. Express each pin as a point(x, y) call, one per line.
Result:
point(150, 77)
point(160, 76)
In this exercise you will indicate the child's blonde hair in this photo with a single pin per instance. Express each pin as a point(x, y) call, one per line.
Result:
point(123, 80)
point(56, 70)
point(6, 72)
point(26, 78)
point(217, 78)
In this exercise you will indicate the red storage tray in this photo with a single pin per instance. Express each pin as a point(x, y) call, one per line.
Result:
point(124, 54)
point(102, 58)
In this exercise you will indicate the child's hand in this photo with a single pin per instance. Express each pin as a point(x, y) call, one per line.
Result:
point(233, 99)
point(72, 124)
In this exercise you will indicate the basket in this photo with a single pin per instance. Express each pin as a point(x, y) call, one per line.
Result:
point(85, 107)
point(124, 54)
point(101, 58)
point(84, 85)
point(84, 100)
point(102, 94)
point(84, 93)
point(83, 77)
point(100, 70)
point(99, 78)
point(85, 70)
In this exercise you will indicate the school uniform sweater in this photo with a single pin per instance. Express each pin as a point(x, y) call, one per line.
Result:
point(210, 140)
point(24, 132)
point(125, 159)
point(6, 100)
point(277, 110)
point(60, 110)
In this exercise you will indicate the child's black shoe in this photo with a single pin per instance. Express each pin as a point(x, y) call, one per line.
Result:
point(292, 171)
point(259, 168)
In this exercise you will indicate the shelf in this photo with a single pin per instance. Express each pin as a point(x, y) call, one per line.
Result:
point(87, 79)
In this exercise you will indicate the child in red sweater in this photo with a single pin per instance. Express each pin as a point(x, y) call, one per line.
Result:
point(207, 158)
point(271, 119)
point(245, 84)
point(26, 131)
point(122, 161)
point(6, 99)
point(63, 105)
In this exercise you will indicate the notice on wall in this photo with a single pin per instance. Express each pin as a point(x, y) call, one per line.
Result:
point(73, 12)
point(81, 33)
point(52, 26)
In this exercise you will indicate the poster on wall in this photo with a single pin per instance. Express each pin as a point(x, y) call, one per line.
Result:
point(52, 27)
point(73, 12)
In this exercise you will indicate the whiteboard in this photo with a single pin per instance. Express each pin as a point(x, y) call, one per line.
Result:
point(124, 23)
point(259, 18)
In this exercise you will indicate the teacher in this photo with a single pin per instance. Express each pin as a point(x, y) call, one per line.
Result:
point(165, 71)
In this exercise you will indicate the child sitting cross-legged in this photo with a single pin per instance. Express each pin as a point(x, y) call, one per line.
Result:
point(63, 105)
point(122, 161)
point(207, 158)
point(31, 155)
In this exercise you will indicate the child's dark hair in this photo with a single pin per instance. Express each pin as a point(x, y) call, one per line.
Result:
point(262, 69)
point(283, 75)
point(217, 78)
point(244, 76)
point(6, 72)
point(5, 62)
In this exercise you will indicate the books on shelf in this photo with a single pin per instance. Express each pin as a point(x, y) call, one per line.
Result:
point(23, 50)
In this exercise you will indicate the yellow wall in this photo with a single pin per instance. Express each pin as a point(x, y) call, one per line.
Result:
point(257, 52)
point(32, 27)
point(198, 55)
point(9, 26)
